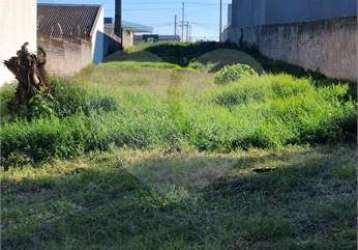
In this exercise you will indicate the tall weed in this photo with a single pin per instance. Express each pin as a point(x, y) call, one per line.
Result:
point(255, 111)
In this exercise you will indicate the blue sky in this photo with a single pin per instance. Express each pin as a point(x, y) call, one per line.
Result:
point(202, 14)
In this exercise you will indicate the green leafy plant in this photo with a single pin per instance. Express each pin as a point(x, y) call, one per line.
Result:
point(40, 105)
point(233, 73)
point(65, 99)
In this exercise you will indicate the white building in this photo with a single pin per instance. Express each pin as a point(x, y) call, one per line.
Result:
point(18, 25)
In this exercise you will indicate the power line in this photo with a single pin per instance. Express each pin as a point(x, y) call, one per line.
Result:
point(147, 9)
point(182, 21)
point(191, 8)
point(174, 3)
point(175, 26)
point(187, 29)
point(221, 20)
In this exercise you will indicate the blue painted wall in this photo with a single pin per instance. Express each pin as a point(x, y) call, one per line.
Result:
point(248, 13)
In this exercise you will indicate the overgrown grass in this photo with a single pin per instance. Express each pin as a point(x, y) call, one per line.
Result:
point(213, 56)
point(200, 55)
point(155, 78)
point(160, 157)
point(179, 53)
point(158, 200)
point(256, 111)
point(66, 98)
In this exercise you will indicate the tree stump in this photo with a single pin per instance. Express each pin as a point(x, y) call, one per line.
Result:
point(29, 70)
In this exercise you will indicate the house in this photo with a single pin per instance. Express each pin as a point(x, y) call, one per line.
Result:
point(18, 25)
point(128, 31)
point(153, 38)
point(318, 35)
point(72, 36)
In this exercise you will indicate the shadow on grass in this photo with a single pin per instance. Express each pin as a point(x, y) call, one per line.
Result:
point(180, 201)
point(214, 56)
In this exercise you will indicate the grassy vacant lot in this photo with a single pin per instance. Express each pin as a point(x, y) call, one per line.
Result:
point(159, 151)
point(133, 199)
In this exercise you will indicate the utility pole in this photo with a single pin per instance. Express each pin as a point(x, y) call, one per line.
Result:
point(182, 21)
point(188, 27)
point(221, 20)
point(118, 19)
point(175, 27)
point(190, 33)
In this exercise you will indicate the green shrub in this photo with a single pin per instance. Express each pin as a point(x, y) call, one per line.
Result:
point(71, 98)
point(260, 89)
point(6, 94)
point(65, 99)
point(42, 104)
point(260, 111)
point(238, 95)
point(233, 73)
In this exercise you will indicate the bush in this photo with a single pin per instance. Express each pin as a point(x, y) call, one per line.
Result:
point(233, 73)
point(70, 98)
point(6, 94)
point(260, 89)
point(280, 109)
point(66, 98)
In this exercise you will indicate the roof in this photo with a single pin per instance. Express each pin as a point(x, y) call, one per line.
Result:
point(134, 27)
point(67, 20)
point(169, 37)
point(159, 37)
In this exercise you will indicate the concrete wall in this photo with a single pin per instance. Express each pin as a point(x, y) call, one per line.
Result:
point(66, 57)
point(97, 38)
point(112, 44)
point(229, 14)
point(248, 13)
point(328, 46)
point(18, 25)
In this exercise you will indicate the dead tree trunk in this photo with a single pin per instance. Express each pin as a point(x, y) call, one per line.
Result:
point(29, 70)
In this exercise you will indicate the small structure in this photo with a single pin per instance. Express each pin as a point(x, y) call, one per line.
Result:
point(128, 31)
point(18, 25)
point(72, 36)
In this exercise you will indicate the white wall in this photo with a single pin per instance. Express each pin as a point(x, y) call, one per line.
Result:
point(97, 38)
point(17, 25)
